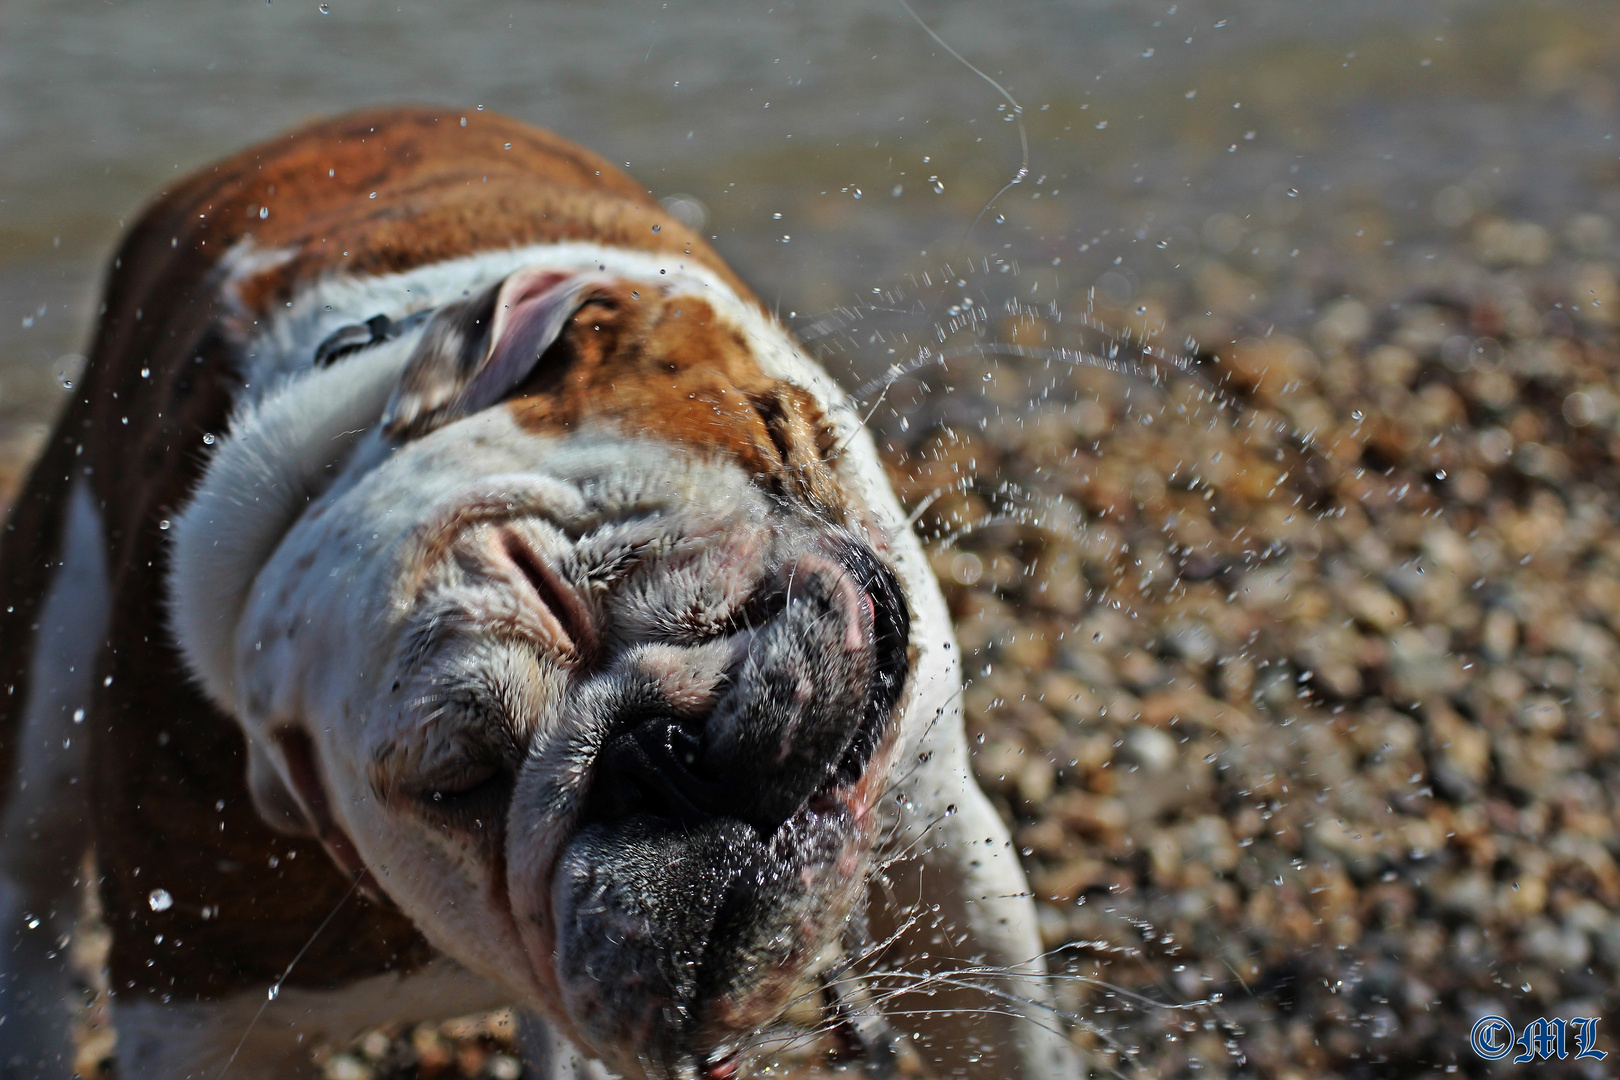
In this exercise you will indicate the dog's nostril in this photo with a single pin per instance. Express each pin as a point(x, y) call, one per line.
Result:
point(799, 699)
point(805, 700)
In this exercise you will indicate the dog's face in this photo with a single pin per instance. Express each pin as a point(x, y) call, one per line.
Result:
point(592, 665)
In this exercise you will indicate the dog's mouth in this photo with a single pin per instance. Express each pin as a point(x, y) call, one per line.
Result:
point(820, 662)
point(715, 850)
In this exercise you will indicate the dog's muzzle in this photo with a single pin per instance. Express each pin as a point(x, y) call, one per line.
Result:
point(718, 852)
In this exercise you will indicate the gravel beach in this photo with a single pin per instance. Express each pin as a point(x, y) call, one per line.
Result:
point(1307, 718)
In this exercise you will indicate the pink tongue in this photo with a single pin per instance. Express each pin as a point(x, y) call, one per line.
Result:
point(721, 1070)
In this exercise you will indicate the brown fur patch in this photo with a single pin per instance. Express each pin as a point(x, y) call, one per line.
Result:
point(671, 369)
point(383, 191)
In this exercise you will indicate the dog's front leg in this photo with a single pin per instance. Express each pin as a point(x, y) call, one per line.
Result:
point(256, 1035)
point(547, 1056)
point(44, 829)
point(963, 972)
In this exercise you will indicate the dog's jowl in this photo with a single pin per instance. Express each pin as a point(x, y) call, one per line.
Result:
point(449, 588)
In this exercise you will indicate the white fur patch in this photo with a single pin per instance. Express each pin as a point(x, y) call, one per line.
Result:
point(281, 452)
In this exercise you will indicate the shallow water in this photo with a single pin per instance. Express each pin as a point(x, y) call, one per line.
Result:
point(834, 145)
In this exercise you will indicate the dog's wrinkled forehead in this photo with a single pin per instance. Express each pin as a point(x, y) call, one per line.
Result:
point(358, 561)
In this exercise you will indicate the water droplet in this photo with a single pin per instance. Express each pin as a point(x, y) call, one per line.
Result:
point(373, 195)
point(270, 994)
point(326, 9)
point(163, 526)
point(78, 716)
point(208, 438)
point(160, 900)
point(33, 922)
point(146, 373)
point(658, 228)
point(264, 212)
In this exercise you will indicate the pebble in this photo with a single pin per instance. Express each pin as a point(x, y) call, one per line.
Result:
point(1149, 748)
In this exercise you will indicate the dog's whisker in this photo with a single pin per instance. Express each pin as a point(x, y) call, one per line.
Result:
point(275, 988)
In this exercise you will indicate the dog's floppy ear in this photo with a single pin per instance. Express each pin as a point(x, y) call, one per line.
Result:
point(302, 808)
point(474, 352)
point(274, 801)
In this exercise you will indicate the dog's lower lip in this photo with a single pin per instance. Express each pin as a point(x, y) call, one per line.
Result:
point(722, 1068)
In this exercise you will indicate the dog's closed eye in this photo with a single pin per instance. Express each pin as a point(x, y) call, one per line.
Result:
point(469, 795)
point(355, 337)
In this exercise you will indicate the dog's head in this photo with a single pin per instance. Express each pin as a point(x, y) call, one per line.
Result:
point(583, 652)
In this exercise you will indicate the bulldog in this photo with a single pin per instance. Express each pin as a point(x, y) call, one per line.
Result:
point(447, 588)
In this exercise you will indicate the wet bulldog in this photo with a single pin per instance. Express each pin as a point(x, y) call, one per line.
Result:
point(448, 588)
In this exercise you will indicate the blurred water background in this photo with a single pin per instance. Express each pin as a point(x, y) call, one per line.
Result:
point(833, 147)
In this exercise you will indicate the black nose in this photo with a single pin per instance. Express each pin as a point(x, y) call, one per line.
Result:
point(804, 708)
